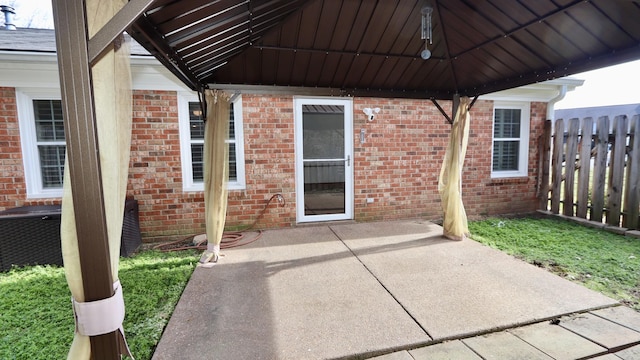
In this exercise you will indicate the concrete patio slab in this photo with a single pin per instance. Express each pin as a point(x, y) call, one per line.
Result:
point(294, 294)
point(460, 288)
point(348, 290)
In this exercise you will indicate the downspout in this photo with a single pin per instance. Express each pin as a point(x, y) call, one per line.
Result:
point(542, 180)
point(551, 104)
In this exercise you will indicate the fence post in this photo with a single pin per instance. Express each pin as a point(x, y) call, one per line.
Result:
point(556, 165)
point(632, 199)
point(599, 169)
point(544, 166)
point(616, 170)
point(570, 166)
point(585, 167)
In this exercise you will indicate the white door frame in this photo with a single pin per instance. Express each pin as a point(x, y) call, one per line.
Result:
point(347, 103)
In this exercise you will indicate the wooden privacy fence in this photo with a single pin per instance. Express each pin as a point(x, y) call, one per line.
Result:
point(592, 170)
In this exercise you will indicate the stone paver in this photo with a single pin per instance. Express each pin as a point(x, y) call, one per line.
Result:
point(606, 357)
point(504, 346)
point(621, 315)
point(557, 342)
point(400, 355)
point(450, 350)
point(632, 353)
point(600, 331)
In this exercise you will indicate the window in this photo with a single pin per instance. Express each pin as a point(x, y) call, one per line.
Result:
point(43, 143)
point(192, 144)
point(510, 139)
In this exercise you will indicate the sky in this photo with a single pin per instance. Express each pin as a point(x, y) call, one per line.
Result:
point(607, 86)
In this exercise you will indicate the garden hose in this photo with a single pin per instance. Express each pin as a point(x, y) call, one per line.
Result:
point(230, 239)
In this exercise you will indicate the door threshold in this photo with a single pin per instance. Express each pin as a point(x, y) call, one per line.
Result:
point(325, 223)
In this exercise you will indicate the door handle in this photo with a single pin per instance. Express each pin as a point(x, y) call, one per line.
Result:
point(348, 160)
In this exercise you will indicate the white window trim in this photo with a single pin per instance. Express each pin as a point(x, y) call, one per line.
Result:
point(523, 157)
point(28, 142)
point(185, 144)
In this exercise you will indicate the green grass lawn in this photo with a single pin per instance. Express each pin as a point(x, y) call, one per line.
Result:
point(600, 260)
point(36, 320)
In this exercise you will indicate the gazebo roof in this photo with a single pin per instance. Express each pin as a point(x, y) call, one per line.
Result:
point(372, 48)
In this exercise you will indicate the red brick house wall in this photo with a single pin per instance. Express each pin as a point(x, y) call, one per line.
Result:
point(397, 166)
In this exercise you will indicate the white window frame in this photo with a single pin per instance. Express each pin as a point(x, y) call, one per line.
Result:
point(523, 152)
point(29, 143)
point(188, 184)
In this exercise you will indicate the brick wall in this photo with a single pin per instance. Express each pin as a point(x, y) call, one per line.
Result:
point(12, 185)
point(13, 189)
point(155, 172)
point(484, 196)
point(397, 166)
point(269, 164)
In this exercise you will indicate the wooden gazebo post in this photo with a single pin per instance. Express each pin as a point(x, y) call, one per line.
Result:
point(76, 55)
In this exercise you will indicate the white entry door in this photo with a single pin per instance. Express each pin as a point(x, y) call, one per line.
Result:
point(324, 159)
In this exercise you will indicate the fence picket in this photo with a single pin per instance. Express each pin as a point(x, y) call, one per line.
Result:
point(570, 166)
point(616, 170)
point(556, 166)
point(632, 198)
point(544, 164)
point(599, 169)
point(585, 167)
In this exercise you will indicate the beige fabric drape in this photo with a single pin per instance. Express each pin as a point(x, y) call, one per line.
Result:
point(216, 169)
point(113, 108)
point(450, 181)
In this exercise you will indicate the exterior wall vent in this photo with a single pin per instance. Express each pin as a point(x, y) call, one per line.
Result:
point(9, 12)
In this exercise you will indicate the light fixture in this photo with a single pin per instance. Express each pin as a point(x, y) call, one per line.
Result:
point(370, 112)
point(426, 31)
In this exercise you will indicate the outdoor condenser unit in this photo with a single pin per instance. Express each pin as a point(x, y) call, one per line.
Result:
point(30, 235)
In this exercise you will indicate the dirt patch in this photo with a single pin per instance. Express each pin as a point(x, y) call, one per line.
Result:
point(633, 303)
point(551, 267)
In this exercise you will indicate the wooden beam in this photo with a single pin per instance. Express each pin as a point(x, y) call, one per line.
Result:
point(449, 119)
point(158, 47)
point(475, 98)
point(116, 26)
point(83, 161)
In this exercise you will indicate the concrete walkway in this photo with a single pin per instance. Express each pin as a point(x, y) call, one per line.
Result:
point(389, 290)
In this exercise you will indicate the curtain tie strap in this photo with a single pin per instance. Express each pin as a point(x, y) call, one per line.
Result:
point(212, 254)
point(102, 317)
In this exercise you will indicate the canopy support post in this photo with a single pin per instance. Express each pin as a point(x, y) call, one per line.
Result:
point(455, 104)
point(78, 107)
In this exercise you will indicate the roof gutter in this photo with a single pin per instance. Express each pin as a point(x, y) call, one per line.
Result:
point(551, 104)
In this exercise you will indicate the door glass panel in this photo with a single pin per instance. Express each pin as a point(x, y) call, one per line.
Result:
point(323, 159)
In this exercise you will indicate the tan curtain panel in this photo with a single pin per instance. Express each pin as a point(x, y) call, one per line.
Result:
point(113, 107)
point(216, 170)
point(450, 181)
